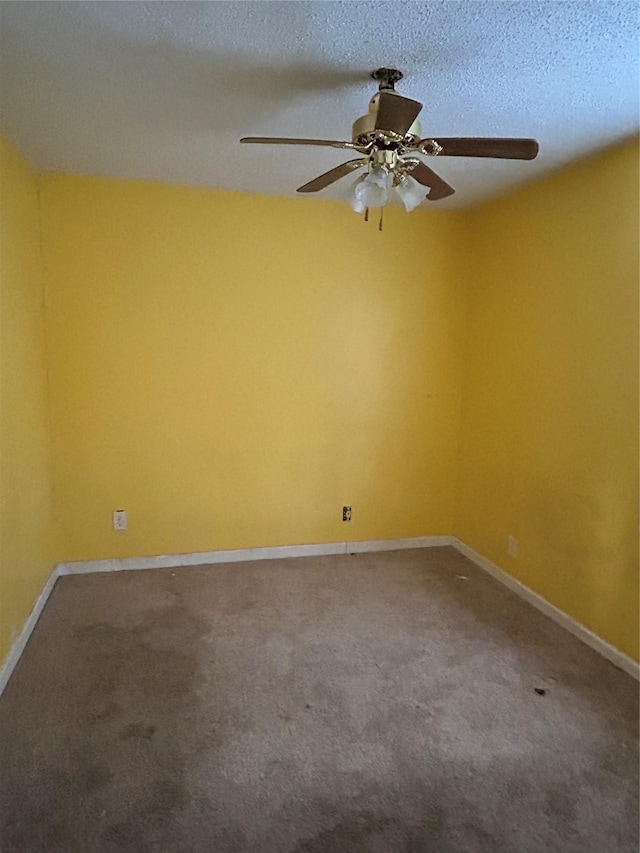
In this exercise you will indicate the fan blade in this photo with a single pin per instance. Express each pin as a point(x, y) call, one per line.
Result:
point(332, 175)
point(428, 178)
point(268, 140)
point(396, 113)
point(507, 149)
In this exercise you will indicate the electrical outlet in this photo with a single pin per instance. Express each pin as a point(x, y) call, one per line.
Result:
point(346, 513)
point(120, 521)
point(513, 546)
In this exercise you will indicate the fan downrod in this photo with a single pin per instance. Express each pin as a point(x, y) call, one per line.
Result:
point(387, 78)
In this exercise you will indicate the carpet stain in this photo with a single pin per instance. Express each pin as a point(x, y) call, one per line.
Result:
point(561, 803)
point(125, 835)
point(90, 763)
point(353, 835)
point(136, 731)
point(97, 708)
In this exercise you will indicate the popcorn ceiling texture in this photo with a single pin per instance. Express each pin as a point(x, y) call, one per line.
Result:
point(163, 91)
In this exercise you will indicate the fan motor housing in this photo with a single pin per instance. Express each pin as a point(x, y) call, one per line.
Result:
point(364, 128)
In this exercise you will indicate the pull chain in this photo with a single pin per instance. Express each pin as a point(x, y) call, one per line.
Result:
point(380, 223)
point(366, 214)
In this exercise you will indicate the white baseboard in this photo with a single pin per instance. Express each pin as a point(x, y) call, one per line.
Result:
point(200, 558)
point(27, 629)
point(397, 544)
point(168, 561)
point(241, 555)
point(620, 659)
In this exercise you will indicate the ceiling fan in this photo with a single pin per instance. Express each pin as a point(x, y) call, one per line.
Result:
point(388, 139)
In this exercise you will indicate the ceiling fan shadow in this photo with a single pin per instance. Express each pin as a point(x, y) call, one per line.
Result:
point(198, 90)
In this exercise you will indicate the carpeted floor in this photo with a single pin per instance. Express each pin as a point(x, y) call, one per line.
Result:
point(378, 702)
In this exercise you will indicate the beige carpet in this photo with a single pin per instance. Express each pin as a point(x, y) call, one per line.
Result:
point(377, 702)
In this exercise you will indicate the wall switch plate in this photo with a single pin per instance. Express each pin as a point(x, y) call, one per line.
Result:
point(346, 513)
point(120, 521)
point(513, 546)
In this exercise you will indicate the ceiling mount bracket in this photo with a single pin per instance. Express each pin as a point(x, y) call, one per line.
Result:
point(387, 78)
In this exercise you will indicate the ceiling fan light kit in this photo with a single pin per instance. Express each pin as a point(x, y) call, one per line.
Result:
point(411, 193)
point(371, 190)
point(388, 138)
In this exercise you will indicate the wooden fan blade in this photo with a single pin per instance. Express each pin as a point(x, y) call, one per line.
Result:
point(396, 113)
point(428, 178)
point(332, 175)
point(268, 140)
point(507, 149)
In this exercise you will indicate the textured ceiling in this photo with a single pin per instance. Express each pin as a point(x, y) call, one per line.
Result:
point(164, 90)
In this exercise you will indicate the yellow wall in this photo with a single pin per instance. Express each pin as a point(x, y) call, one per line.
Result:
point(549, 450)
point(24, 475)
point(231, 369)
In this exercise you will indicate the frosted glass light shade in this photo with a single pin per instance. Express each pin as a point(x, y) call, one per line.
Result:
point(372, 190)
point(411, 193)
